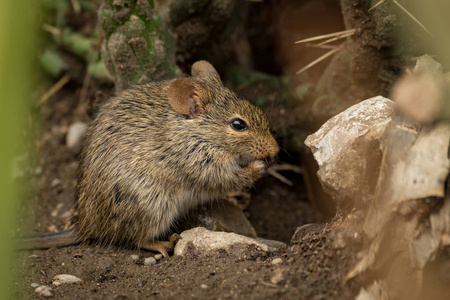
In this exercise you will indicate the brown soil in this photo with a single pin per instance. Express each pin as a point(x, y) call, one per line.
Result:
point(311, 268)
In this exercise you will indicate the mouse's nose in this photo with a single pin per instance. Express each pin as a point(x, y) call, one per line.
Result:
point(267, 148)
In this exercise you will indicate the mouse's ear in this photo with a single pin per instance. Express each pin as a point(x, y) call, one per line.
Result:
point(188, 97)
point(204, 68)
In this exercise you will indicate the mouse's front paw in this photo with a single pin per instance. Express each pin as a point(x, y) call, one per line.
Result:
point(163, 247)
point(257, 167)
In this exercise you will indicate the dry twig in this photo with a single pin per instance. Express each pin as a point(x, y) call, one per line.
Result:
point(326, 36)
point(55, 88)
point(283, 167)
point(313, 63)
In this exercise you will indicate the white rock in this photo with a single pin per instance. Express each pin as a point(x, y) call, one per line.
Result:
point(75, 134)
point(204, 286)
point(55, 182)
point(277, 261)
point(277, 276)
point(134, 257)
point(35, 285)
point(149, 261)
point(205, 241)
point(158, 256)
point(44, 290)
point(65, 278)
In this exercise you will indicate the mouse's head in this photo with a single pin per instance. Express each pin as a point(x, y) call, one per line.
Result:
point(234, 125)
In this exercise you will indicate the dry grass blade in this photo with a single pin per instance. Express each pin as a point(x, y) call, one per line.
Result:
point(311, 64)
point(283, 167)
point(76, 6)
point(55, 88)
point(280, 177)
point(379, 2)
point(327, 47)
point(287, 167)
point(51, 29)
point(326, 36)
point(334, 39)
point(412, 17)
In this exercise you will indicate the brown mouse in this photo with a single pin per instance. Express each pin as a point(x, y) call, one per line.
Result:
point(156, 150)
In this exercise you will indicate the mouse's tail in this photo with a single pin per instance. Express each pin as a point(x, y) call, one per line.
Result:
point(55, 239)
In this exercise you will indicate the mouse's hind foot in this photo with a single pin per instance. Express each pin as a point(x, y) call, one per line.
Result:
point(162, 247)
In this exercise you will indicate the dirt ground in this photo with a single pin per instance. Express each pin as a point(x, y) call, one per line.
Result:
point(310, 269)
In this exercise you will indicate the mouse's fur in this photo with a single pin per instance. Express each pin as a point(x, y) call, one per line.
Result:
point(157, 149)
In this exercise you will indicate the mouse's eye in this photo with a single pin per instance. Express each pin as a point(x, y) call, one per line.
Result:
point(238, 124)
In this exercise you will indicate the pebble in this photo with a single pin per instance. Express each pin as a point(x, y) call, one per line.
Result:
point(134, 257)
point(149, 261)
point(75, 134)
point(34, 256)
point(158, 256)
point(44, 290)
point(35, 285)
point(65, 278)
point(277, 276)
point(204, 286)
point(276, 261)
point(55, 182)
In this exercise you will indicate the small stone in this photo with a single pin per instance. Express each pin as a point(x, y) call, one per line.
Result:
point(149, 261)
point(204, 286)
point(35, 285)
point(75, 135)
point(277, 276)
point(44, 290)
point(33, 256)
point(158, 256)
point(134, 257)
point(55, 182)
point(65, 278)
point(276, 261)
point(38, 171)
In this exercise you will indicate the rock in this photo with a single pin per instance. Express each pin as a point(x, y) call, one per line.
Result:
point(274, 246)
point(149, 261)
point(347, 149)
point(277, 276)
point(158, 256)
point(134, 257)
point(75, 134)
point(205, 241)
point(65, 278)
point(44, 290)
point(35, 285)
point(276, 261)
point(55, 182)
point(204, 286)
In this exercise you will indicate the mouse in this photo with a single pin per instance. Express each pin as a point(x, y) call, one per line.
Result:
point(156, 150)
